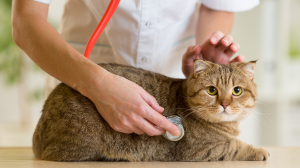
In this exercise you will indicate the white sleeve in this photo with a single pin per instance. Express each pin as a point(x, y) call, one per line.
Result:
point(43, 1)
point(230, 5)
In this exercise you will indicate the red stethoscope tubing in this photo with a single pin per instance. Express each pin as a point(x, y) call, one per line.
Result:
point(108, 14)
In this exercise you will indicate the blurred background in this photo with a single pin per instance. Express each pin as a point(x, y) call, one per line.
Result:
point(270, 33)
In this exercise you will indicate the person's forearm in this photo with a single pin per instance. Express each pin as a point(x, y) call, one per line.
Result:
point(210, 21)
point(44, 45)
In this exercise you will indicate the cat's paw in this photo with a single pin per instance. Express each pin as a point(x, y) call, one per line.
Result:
point(259, 154)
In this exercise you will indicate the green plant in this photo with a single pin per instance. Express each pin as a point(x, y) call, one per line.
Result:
point(294, 45)
point(11, 57)
point(10, 54)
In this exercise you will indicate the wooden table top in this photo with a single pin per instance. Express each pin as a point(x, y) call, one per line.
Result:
point(281, 157)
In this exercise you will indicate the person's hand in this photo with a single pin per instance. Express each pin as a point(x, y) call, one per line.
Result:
point(217, 49)
point(128, 108)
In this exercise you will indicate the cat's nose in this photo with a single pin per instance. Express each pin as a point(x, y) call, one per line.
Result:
point(224, 104)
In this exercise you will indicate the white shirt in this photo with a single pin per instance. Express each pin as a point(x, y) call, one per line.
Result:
point(150, 34)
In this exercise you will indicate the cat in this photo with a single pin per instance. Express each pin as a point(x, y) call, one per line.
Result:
point(211, 101)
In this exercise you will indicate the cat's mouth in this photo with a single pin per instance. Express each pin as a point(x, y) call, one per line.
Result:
point(224, 112)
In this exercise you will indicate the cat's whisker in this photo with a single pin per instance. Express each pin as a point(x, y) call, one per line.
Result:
point(258, 119)
point(263, 115)
point(263, 104)
point(186, 116)
point(185, 96)
point(266, 126)
point(198, 111)
point(182, 108)
point(260, 125)
point(255, 120)
point(186, 111)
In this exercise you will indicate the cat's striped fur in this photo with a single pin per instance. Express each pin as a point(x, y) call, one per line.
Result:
point(71, 129)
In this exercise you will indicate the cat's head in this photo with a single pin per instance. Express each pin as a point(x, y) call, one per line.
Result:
point(221, 93)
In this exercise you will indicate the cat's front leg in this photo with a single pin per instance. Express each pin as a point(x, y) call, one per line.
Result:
point(240, 151)
point(231, 150)
point(254, 154)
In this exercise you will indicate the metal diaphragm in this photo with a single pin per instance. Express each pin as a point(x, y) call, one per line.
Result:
point(178, 122)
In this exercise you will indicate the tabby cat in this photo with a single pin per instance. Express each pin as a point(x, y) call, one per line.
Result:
point(211, 102)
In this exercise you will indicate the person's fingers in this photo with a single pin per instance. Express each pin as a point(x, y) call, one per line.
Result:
point(215, 38)
point(196, 50)
point(120, 128)
point(232, 49)
point(149, 128)
point(132, 129)
point(192, 50)
point(162, 122)
point(239, 58)
point(225, 43)
point(137, 131)
point(194, 54)
point(125, 125)
point(151, 101)
point(189, 53)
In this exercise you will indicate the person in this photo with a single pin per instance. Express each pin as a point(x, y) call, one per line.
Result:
point(153, 35)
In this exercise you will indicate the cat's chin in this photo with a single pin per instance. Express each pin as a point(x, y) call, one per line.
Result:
point(225, 115)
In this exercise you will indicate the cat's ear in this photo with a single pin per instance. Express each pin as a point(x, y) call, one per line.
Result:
point(199, 66)
point(248, 69)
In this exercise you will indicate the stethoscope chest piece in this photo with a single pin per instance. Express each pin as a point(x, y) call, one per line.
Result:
point(178, 122)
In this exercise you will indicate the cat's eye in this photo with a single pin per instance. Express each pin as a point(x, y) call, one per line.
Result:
point(237, 91)
point(212, 90)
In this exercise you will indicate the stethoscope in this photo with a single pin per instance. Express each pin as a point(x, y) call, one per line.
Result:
point(108, 14)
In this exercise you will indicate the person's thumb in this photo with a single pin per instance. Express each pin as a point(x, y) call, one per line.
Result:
point(191, 53)
point(193, 50)
point(239, 58)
